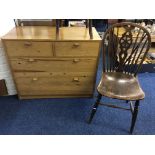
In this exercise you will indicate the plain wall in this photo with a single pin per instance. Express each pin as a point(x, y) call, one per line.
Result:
point(5, 26)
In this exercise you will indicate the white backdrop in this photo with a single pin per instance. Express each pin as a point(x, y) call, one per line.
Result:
point(5, 26)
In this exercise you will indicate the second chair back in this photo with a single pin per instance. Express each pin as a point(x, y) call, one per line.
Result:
point(124, 48)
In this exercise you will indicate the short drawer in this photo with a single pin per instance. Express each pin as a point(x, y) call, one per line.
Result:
point(76, 49)
point(29, 48)
point(54, 84)
point(55, 64)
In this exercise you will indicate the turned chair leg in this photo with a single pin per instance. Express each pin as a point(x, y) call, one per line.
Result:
point(95, 107)
point(134, 116)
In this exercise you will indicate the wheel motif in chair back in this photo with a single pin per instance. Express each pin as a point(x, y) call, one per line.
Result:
point(124, 47)
point(125, 42)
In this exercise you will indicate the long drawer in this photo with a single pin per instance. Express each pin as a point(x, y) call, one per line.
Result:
point(54, 84)
point(71, 49)
point(55, 64)
point(29, 48)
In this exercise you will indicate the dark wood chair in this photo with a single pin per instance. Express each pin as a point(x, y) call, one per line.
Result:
point(88, 25)
point(124, 47)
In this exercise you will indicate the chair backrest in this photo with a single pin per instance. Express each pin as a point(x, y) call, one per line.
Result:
point(124, 47)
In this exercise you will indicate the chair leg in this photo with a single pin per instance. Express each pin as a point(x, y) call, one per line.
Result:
point(95, 107)
point(134, 116)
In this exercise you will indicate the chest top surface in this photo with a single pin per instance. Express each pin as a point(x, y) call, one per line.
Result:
point(49, 33)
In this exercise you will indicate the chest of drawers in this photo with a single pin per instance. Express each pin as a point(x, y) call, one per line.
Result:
point(44, 66)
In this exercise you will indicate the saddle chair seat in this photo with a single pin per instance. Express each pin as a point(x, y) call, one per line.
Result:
point(120, 86)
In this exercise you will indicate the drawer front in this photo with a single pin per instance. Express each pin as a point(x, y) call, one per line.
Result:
point(55, 64)
point(54, 84)
point(69, 49)
point(29, 48)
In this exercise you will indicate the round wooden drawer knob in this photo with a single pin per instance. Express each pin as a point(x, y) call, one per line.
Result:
point(76, 60)
point(76, 79)
point(31, 60)
point(27, 43)
point(34, 79)
point(76, 44)
point(19, 62)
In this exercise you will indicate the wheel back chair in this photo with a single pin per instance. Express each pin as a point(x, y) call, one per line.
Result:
point(124, 47)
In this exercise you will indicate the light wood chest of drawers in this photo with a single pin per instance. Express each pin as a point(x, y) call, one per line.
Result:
point(45, 66)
